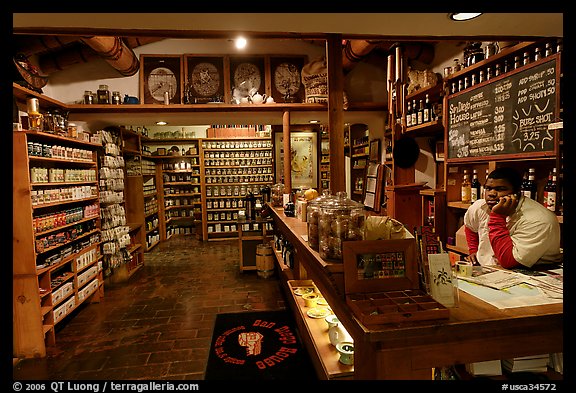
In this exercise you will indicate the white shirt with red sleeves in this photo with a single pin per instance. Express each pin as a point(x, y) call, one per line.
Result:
point(534, 230)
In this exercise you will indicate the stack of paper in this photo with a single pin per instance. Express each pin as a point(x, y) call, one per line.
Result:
point(557, 362)
point(536, 363)
point(488, 368)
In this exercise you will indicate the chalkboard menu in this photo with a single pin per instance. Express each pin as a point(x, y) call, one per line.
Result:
point(508, 116)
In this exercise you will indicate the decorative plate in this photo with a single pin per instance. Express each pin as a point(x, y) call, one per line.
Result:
point(318, 312)
point(321, 301)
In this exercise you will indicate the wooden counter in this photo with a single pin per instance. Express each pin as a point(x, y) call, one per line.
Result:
point(475, 331)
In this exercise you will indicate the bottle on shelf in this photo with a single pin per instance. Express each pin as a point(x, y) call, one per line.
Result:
point(420, 114)
point(409, 115)
point(550, 191)
point(475, 187)
point(427, 114)
point(466, 188)
point(529, 186)
point(414, 113)
point(482, 184)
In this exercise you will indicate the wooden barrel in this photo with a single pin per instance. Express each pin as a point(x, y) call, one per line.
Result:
point(264, 260)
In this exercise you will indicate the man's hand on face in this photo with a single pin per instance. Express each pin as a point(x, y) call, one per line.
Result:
point(507, 205)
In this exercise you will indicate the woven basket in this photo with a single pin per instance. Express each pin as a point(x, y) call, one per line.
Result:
point(36, 81)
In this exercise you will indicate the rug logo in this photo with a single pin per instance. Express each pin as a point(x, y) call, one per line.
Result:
point(252, 341)
point(262, 344)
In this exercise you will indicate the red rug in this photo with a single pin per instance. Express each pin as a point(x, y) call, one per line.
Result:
point(262, 345)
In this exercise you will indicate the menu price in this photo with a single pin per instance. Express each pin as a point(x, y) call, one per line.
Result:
point(508, 116)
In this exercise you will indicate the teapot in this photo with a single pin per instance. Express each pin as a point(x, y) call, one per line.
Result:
point(338, 333)
point(258, 98)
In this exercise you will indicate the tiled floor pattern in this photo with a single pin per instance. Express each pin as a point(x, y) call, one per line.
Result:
point(158, 325)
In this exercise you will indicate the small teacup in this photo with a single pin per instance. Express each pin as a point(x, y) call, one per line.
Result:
point(464, 268)
point(310, 299)
point(332, 320)
point(346, 351)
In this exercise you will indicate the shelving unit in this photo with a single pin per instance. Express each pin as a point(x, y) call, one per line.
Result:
point(359, 158)
point(324, 160)
point(57, 262)
point(543, 162)
point(182, 197)
point(233, 167)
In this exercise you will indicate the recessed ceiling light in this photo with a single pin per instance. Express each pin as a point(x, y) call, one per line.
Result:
point(240, 42)
point(462, 16)
point(314, 121)
point(161, 123)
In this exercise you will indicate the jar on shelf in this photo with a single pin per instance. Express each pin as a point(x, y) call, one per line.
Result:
point(116, 99)
point(313, 216)
point(103, 94)
point(277, 195)
point(341, 219)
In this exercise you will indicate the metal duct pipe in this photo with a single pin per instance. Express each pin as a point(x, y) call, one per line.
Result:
point(356, 50)
point(115, 52)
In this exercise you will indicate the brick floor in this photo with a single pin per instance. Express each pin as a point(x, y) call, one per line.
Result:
point(158, 325)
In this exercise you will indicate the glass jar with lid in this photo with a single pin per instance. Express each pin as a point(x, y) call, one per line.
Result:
point(277, 195)
point(341, 219)
point(103, 94)
point(313, 216)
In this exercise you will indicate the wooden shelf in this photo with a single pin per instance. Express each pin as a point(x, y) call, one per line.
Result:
point(428, 128)
point(325, 356)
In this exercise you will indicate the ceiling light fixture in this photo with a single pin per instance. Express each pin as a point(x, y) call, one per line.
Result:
point(240, 42)
point(313, 121)
point(161, 123)
point(463, 16)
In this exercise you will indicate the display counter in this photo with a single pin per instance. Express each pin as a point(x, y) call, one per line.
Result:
point(475, 331)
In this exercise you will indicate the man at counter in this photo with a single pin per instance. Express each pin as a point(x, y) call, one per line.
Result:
point(505, 228)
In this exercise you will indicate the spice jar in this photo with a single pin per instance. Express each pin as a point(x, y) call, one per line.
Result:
point(341, 219)
point(103, 94)
point(277, 195)
point(313, 216)
point(116, 99)
point(88, 98)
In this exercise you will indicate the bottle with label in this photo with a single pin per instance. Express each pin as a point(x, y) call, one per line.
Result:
point(414, 113)
point(529, 187)
point(482, 185)
point(35, 118)
point(475, 187)
point(466, 188)
point(420, 113)
point(550, 191)
point(409, 115)
point(426, 117)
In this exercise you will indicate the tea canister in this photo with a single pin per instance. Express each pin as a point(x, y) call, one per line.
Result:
point(277, 195)
point(313, 213)
point(341, 219)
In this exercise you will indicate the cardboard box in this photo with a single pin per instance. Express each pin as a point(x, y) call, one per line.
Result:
point(461, 239)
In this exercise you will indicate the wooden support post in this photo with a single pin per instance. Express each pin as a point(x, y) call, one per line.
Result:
point(335, 112)
point(287, 153)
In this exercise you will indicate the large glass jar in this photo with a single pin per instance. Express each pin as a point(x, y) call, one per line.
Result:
point(313, 216)
point(341, 219)
point(277, 195)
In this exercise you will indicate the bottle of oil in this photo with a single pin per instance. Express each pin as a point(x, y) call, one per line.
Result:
point(466, 188)
point(550, 191)
point(475, 187)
